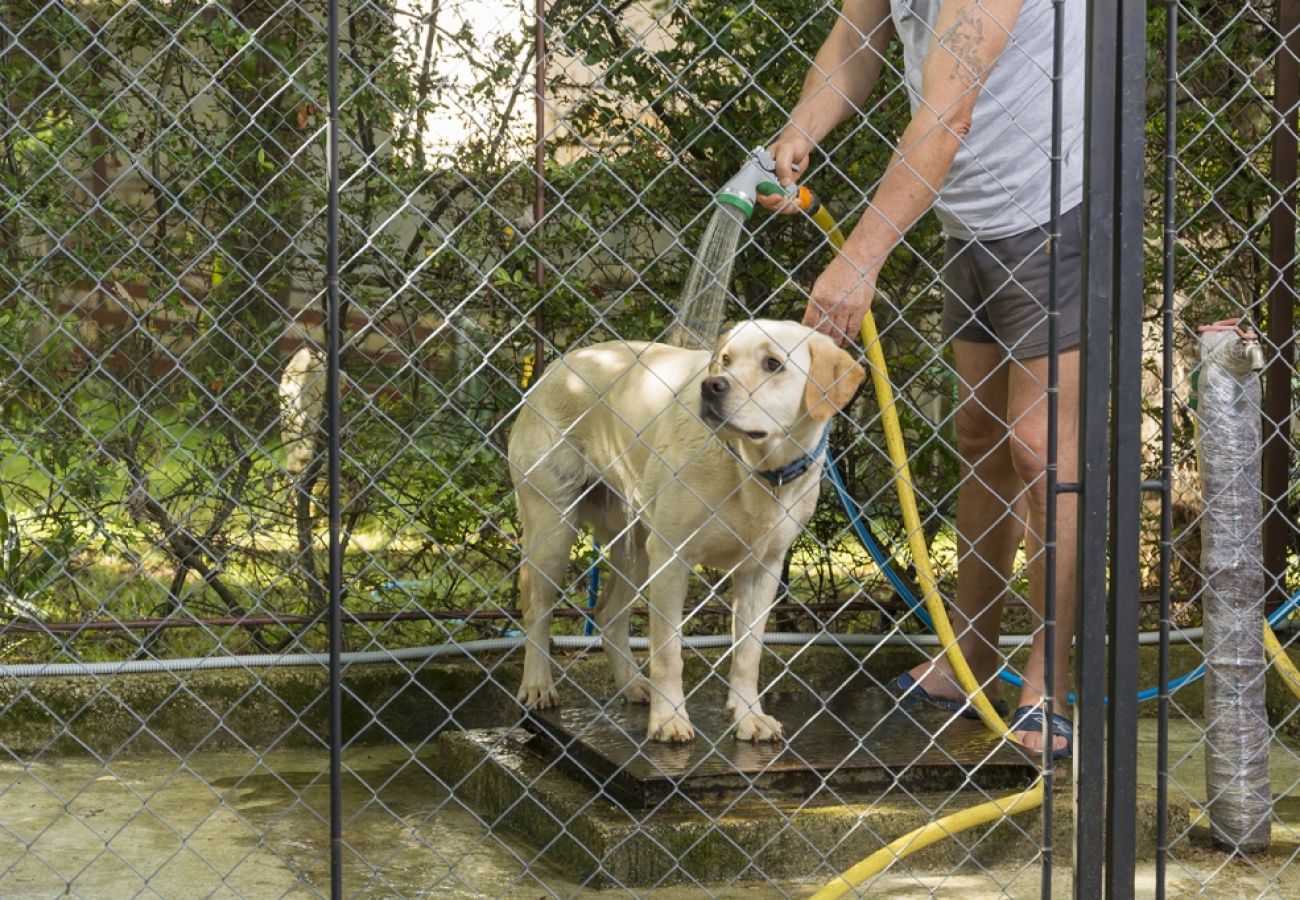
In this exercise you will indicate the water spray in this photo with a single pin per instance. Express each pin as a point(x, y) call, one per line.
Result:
point(705, 297)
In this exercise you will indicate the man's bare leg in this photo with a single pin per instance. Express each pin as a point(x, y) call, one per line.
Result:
point(990, 517)
point(1028, 410)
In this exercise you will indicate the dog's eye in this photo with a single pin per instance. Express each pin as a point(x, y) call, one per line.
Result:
point(726, 359)
point(772, 364)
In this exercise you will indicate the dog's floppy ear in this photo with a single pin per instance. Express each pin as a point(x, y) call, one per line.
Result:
point(833, 378)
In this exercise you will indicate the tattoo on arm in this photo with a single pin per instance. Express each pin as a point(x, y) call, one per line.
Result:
point(964, 42)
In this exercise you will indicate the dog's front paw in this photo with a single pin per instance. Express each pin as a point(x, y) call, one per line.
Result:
point(757, 726)
point(538, 695)
point(673, 728)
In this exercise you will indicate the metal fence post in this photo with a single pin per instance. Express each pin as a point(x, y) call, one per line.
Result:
point(1090, 654)
point(334, 427)
point(1126, 451)
point(1166, 440)
point(1279, 529)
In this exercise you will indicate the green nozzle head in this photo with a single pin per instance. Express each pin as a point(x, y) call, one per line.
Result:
point(757, 176)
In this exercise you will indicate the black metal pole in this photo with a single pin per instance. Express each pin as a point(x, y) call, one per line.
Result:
point(1279, 529)
point(1126, 451)
point(333, 436)
point(1166, 437)
point(1094, 429)
point(1053, 416)
point(539, 183)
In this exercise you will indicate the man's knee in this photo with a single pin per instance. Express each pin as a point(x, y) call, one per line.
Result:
point(1029, 454)
point(981, 436)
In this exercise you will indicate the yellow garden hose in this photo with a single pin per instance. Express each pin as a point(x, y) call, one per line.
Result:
point(931, 833)
point(1026, 800)
point(1032, 797)
point(907, 501)
point(1280, 659)
point(915, 534)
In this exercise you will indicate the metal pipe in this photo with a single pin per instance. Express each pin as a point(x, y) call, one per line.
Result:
point(1126, 448)
point(333, 435)
point(1053, 419)
point(36, 626)
point(1094, 377)
point(1279, 530)
point(489, 645)
point(1166, 442)
point(1237, 729)
point(33, 626)
point(539, 183)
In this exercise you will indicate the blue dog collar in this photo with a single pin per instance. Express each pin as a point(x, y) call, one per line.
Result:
point(788, 473)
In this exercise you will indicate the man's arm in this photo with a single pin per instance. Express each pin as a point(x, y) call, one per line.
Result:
point(843, 73)
point(970, 36)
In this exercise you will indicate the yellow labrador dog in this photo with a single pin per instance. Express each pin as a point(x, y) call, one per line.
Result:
point(675, 458)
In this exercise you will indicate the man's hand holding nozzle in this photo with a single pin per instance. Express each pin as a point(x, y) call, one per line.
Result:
point(790, 152)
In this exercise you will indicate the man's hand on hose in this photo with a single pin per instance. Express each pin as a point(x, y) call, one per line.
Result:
point(839, 300)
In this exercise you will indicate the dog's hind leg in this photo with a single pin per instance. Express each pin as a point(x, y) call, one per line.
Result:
point(628, 562)
point(549, 530)
point(755, 585)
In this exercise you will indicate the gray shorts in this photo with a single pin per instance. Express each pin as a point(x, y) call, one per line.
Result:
point(997, 291)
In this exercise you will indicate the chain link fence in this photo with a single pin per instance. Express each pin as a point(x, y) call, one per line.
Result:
point(164, 566)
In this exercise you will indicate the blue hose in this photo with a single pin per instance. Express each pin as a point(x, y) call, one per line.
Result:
point(873, 549)
point(593, 589)
point(915, 606)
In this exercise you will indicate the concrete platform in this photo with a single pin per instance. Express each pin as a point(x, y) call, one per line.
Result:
point(584, 788)
point(853, 741)
point(596, 841)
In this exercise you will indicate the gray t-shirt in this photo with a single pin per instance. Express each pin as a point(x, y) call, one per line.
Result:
point(1000, 183)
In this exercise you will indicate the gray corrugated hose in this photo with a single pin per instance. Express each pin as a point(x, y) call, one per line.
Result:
point(1237, 730)
point(491, 645)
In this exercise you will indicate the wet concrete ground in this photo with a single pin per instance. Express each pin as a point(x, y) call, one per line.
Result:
point(228, 824)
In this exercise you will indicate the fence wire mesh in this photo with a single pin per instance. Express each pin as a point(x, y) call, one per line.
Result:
point(163, 567)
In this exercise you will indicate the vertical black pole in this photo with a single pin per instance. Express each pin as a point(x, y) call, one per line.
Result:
point(1126, 451)
point(1166, 438)
point(1053, 415)
point(539, 183)
point(1094, 474)
point(1279, 529)
point(334, 425)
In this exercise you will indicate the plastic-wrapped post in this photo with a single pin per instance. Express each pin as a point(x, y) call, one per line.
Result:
point(1237, 730)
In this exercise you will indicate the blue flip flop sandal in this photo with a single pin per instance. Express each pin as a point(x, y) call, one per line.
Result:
point(1030, 718)
point(907, 689)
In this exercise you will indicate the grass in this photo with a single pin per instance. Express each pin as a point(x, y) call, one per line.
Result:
point(116, 568)
point(137, 587)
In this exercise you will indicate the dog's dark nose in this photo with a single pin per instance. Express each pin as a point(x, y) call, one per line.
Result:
point(716, 386)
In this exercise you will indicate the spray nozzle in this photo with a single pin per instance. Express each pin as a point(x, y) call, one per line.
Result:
point(756, 176)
